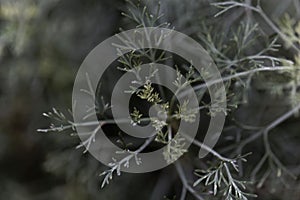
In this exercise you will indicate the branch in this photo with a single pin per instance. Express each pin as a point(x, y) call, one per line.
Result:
point(228, 5)
point(185, 183)
point(207, 148)
point(240, 74)
point(267, 128)
point(116, 165)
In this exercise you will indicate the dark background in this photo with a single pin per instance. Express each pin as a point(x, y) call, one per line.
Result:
point(42, 44)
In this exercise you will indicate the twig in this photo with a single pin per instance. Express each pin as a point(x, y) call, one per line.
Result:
point(268, 128)
point(240, 74)
point(185, 183)
point(228, 5)
point(207, 148)
point(116, 166)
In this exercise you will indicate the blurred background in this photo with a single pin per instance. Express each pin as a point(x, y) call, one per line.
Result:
point(42, 44)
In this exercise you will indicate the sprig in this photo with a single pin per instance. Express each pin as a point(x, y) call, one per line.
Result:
point(147, 93)
point(186, 113)
point(222, 181)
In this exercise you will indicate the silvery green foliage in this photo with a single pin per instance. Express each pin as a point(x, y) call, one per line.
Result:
point(252, 67)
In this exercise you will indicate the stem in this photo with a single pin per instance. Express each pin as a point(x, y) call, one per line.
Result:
point(91, 123)
point(232, 4)
point(185, 183)
point(139, 150)
point(207, 148)
point(183, 193)
point(240, 74)
point(269, 127)
point(274, 27)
